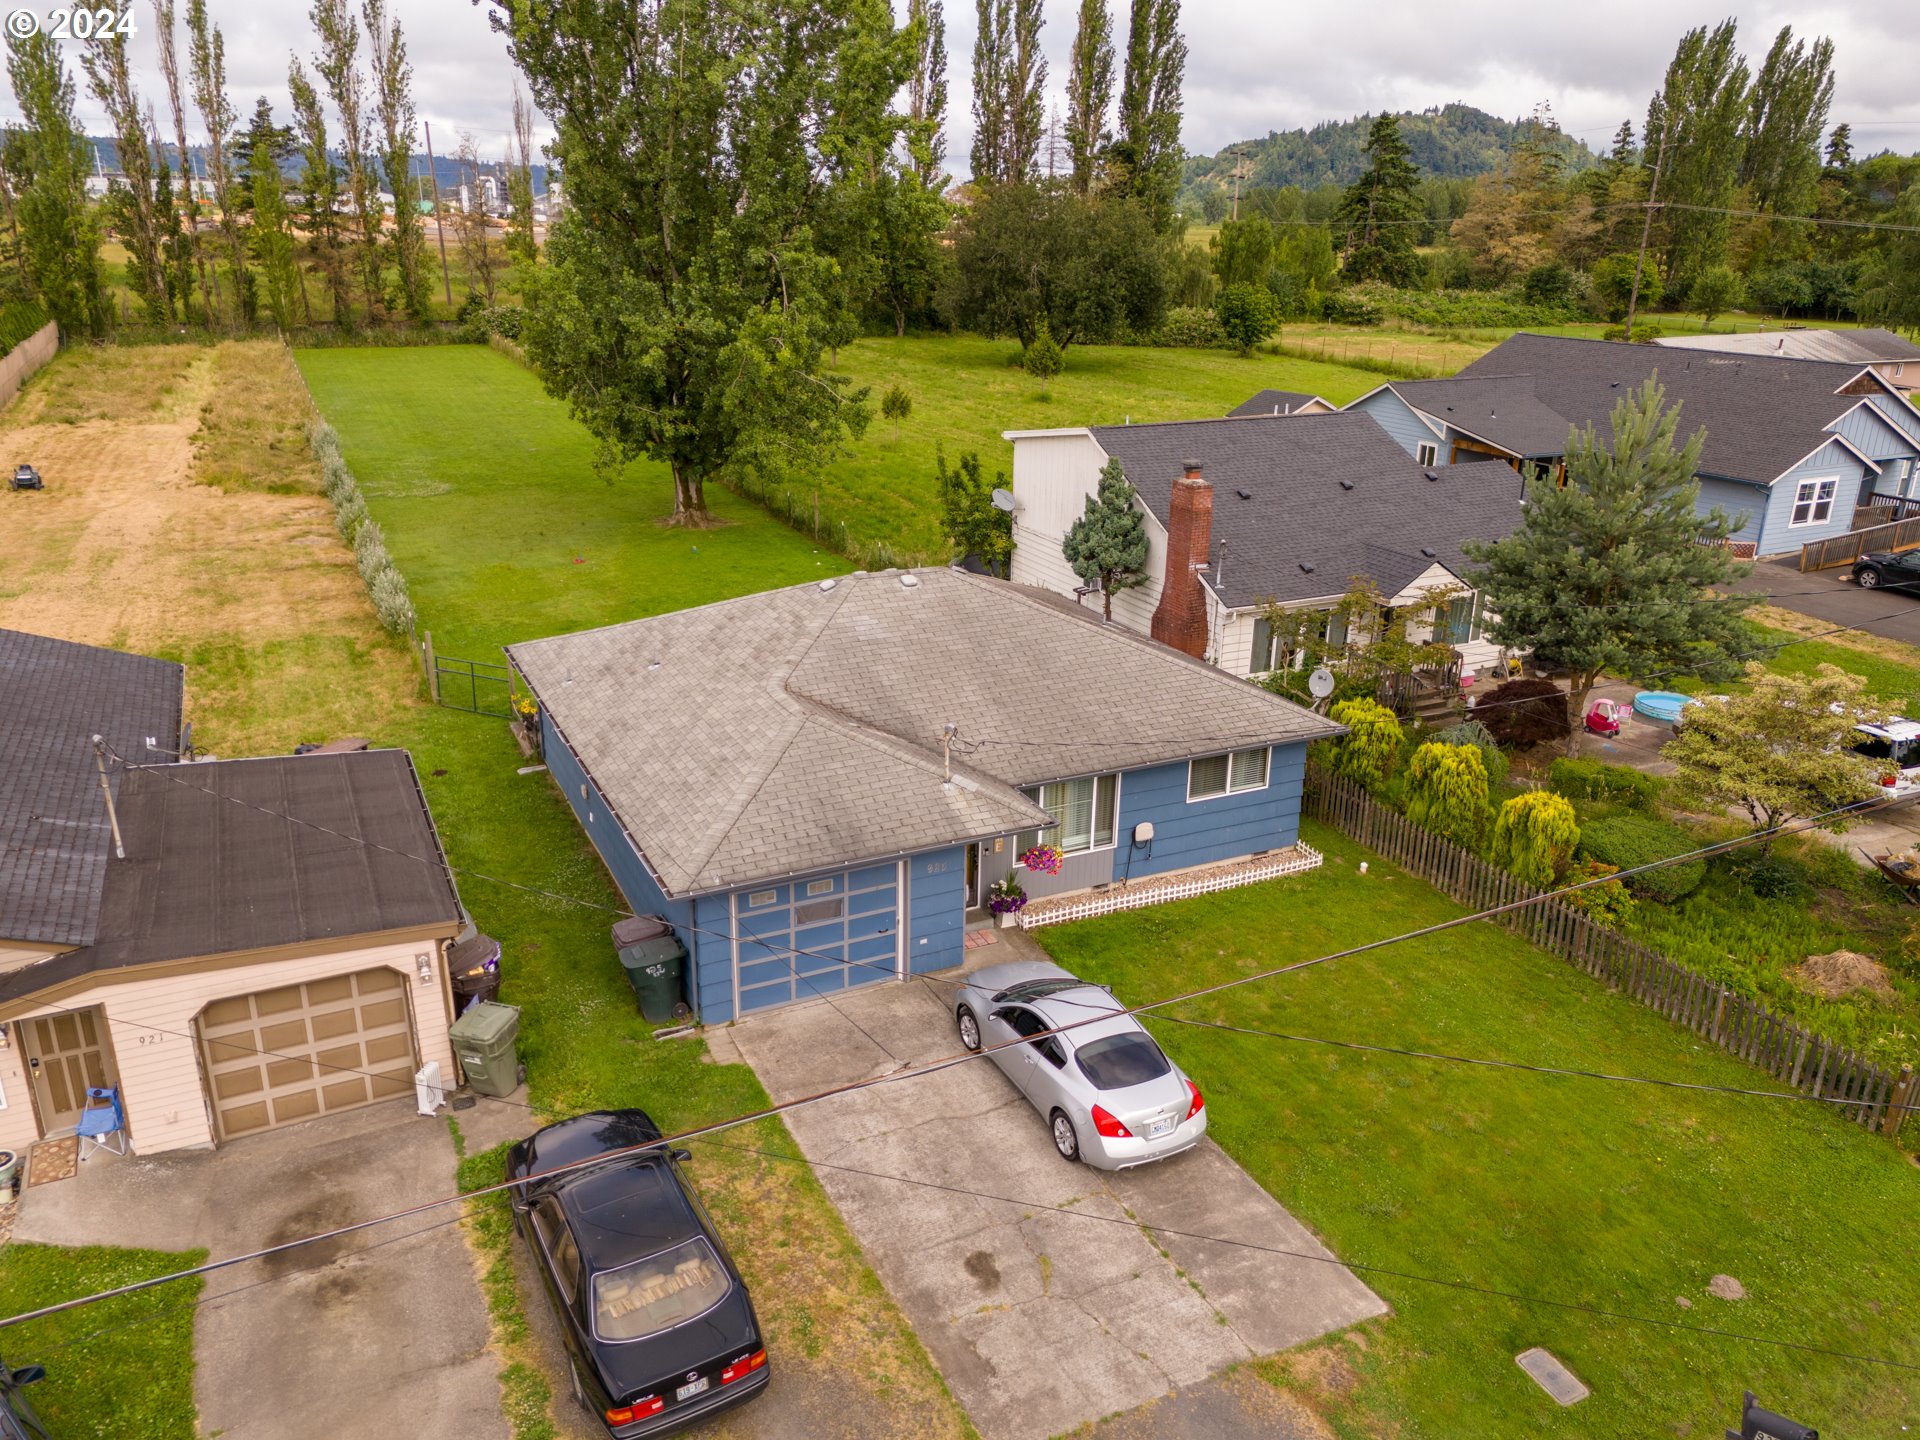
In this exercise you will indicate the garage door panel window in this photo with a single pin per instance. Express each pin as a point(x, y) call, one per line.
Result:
point(1813, 502)
point(1085, 810)
point(1211, 776)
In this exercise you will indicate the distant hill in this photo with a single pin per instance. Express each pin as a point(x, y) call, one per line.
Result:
point(446, 169)
point(1449, 142)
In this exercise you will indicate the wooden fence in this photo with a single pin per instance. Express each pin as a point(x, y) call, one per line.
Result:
point(1847, 548)
point(1739, 1025)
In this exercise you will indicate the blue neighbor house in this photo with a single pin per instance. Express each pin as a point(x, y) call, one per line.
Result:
point(819, 786)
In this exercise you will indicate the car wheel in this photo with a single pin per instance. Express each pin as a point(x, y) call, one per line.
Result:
point(1064, 1138)
point(969, 1029)
point(1869, 579)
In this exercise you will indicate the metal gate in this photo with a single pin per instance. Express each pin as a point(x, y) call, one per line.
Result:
point(476, 685)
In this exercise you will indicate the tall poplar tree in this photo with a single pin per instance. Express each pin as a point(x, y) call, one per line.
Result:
point(992, 58)
point(1089, 92)
point(59, 235)
point(1701, 111)
point(1379, 210)
point(520, 241)
point(1026, 80)
point(1146, 153)
point(321, 181)
point(684, 307)
point(110, 81)
point(1780, 163)
point(338, 65)
point(207, 65)
point(189, 188)
point(927, 90)
point(272, 236)
point(393, 100)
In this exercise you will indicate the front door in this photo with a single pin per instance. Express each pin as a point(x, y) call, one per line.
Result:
point(66, 1055)
point(973, 877)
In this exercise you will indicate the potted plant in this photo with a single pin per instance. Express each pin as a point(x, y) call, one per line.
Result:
point(1006, 898)
point(526, 715)
point(1043, 860)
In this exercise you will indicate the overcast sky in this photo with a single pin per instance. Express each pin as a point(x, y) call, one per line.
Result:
point(1253, 65)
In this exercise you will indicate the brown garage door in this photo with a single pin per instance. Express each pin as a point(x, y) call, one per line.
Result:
point(277, 1056)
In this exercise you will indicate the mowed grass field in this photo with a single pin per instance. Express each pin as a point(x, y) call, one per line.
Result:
point(1623, 1198)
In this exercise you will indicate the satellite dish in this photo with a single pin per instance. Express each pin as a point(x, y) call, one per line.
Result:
point(1320, 683)
point(1003, 500)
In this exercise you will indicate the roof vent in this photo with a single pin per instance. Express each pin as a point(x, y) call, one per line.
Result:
point(1427, 550)
point(1346, 484)
point(652, 665)
point(1433, 475)
point(1306, 567)
point(909, 582)
point(1613, 385)
point(1244, 494)
point(826, 585)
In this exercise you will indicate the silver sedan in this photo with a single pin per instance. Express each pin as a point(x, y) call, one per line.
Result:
point(1110, 1095)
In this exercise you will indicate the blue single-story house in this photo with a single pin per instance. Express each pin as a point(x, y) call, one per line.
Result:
point(1792, 446)
point(817, 786)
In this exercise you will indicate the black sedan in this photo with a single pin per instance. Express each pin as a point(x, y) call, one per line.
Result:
point(659, 1328)
point(1889, 570)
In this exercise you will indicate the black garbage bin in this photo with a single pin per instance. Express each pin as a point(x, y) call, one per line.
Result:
point(656, 964)
point(473, 965)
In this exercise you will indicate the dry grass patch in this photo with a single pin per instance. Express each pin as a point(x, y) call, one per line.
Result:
point(96, 382)
point(1861, 640)
point(253, 423)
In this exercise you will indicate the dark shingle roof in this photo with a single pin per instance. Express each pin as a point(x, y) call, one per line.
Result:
point(54, 839)
point(1762, 415)
point(1299, 511)
point(1274, 402)
point(212, 868)
point(801, 729)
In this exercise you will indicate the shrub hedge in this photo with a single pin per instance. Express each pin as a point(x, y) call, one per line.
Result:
point(1631, 840)
point(385, 584)
point(1525, 712)
point(1597, 780)
point(19, 320)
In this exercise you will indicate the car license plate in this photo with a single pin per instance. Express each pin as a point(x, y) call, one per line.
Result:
point(687, 1392)
point(1160, 1126)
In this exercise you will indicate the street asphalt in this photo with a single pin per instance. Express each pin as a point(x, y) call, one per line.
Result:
point(1830, 596)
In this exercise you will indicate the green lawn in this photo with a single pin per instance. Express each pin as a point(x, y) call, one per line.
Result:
point(965, 393)
point(492, 509)
point(119, 1368)
point(1624, 1198)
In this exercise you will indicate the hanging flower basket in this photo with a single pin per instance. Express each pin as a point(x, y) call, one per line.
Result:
point(1043, 860)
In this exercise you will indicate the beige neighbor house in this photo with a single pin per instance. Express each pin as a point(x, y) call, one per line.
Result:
point(264, 942)
point(1259, 510)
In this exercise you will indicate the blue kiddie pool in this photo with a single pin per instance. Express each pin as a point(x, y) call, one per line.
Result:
point(1662, 705)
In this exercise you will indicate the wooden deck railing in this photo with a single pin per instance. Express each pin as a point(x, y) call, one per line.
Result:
point(1845, 549)
point(1862, 1092)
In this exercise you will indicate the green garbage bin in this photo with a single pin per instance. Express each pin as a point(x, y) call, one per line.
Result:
point(483, 1040)
point(656, 964)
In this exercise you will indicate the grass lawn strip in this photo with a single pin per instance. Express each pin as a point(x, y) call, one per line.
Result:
point(121, 1368)
point(1620, 1197)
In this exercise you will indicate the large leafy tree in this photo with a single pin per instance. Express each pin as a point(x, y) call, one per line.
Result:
point(338, 65)
point(110, 81)
point(1145, 155)
point(1090, 268)
point(320, 181)
point(1089, 91)
point(1009, 85)
point(1780, 750)
point(59, 234)
point(1107, 546)
point(1613, 570)
point(1786, 116)
point(1700, 113)
point(685, 308)
point(974, 524)
point(1380, 210)
point(272, 233)
point(393, 102)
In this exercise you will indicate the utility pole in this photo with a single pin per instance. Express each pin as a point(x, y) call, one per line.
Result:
point(439, 219)
point(1646, 228)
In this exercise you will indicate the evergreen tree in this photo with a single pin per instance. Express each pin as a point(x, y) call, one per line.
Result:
point(1701, 110)
point(927, 91)
point(207, 65)
point(1610, 571)
point(272, 234)
point(1107, 546)
point(1146, 155)
point(1840, 149)
point(320, 179)
point(684, 307)
point(393, 102)
point(59, 234)
point(176, 257)
point(1089, 92)
point(110, 81)
point(1379, 210)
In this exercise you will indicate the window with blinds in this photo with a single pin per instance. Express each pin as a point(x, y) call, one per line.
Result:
point(1214, 775)
point(1085, 810)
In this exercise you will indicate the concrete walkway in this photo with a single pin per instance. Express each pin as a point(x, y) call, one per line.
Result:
point(378, 1334)
point(1056, 1303)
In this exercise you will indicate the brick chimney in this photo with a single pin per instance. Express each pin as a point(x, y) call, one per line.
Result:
point(1181, 617)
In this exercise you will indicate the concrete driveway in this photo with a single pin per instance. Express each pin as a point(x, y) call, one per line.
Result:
point(1055, 1304)
point(1830, 596)
point(374, 1335)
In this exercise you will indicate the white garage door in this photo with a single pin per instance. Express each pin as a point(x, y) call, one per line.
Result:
point(277, 1056)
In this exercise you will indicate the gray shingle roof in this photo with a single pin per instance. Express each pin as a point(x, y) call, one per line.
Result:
point(1761, 415)
point(211, 867)
point(1299, 511)
point(801, 729)
point(54, 838)
point(1273, 402)
point(1864, 346)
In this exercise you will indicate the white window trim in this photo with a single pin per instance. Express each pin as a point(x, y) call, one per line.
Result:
point(1266, 784)
point(1096, 777)
point(1426, 453)
point(1814, 501)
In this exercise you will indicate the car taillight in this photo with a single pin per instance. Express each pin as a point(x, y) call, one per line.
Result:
point(745, 1365)
point(638, 1410)
point(1110, 1127)
point(1198, 1104)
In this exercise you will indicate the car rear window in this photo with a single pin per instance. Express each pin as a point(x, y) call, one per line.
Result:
point(658, 1293)
point(1039, 989)
point(1118, 1061)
